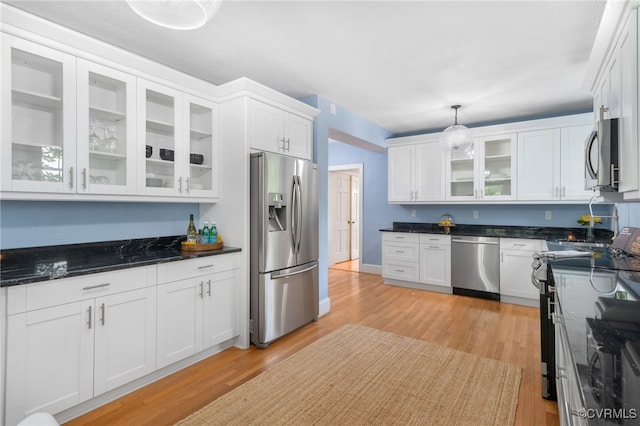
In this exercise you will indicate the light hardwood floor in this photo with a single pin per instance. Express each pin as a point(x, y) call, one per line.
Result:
point(495, 330)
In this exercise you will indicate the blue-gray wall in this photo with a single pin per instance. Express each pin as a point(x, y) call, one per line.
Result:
point(44, 223)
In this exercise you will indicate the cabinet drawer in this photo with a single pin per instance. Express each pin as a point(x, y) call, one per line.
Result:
point(401, 251)
point(520, 244)
point(174, 271)
point(401, 236)
point(29, 297)
point(406, 271)
point(436, 239)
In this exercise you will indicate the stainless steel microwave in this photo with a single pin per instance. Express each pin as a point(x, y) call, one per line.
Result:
point(601, 156)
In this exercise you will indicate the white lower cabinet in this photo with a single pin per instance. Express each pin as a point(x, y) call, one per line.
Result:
point(401, 256)
point(197, 312)
point(417, 260)
point(435, 260)
point(90, 338)
point(516, 256)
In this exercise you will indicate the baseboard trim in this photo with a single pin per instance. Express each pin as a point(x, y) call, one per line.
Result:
point(371, 269)
point(325, 306)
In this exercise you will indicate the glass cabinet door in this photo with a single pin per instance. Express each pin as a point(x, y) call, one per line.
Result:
point(462, 174)
point(106, 130)
point(38, 138)
point(498, 154)
point(159, 138)
point(201, 129)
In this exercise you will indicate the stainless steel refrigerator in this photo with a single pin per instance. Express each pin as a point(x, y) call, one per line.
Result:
point(284, 246)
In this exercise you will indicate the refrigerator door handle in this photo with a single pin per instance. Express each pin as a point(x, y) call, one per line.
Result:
point(292, 271)
point(299, 214)
point(294, 213)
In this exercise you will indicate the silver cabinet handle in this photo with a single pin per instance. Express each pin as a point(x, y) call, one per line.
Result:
point(519, 245)
point(556, 192)
point(188, 185)
point(89, 321)
point(399, 251)
point(206, 266)
point(180, 184)
point(92, 287)
point(71, 177)
point(209, 291)
point(102, 311)
point(84, 178)
point(288, 144)
point(201, 290)
point(564, 191)
point(399, 270)
point(283, 144)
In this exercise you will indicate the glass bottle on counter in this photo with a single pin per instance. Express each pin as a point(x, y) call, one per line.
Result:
point(213, 233)
point(192, 232)
point(206, 235)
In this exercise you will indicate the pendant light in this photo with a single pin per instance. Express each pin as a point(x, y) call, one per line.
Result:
point(456, 138)
point(176, 14)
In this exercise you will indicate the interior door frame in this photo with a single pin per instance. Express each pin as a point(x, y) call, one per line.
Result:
point(359, 167)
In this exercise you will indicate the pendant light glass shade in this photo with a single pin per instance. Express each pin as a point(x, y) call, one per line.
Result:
point(176, 14)
point(457, 138)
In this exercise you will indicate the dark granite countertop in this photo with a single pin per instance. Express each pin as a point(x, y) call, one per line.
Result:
point(600, 304)
point(28, 265)
point(531, 232)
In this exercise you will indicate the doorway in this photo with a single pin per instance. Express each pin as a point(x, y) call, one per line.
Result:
point(345, 222)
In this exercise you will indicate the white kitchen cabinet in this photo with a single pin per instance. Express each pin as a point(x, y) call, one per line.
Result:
point(275, 130)
point(199, 311)
point(435, 259)
point(72, 339)
point(516, 256)
point(106, 132)
point(201, 139)
point(401, 256)
point(160, 127)
point(38, 118)
point(551, 164)
point(415, 173)
point(613, 79)
point(486, 172)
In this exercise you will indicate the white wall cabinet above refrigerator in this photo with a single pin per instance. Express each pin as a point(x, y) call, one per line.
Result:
point(275, 130)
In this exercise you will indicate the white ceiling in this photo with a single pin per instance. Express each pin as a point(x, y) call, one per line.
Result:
point(399, 64)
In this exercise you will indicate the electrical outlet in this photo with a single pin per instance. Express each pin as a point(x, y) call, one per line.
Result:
point(475, 214)
point(332, 108)
point(413, 212)
point(547, 215)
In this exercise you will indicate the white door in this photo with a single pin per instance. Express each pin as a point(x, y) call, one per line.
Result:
point(355, 217)
point(539, 165)
point(342, 232)
point(400, 173)
point(572, 157)
point(220, 301)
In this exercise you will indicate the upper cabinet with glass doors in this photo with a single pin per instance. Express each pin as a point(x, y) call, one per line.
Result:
point(484, 172)
point(106, 130)
point(39, 108)
point(179, 139)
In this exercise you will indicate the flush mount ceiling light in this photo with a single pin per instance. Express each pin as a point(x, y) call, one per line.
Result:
point(176, 14)
point(456, 138)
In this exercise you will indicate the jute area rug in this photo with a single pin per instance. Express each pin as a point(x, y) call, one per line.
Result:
point(361, 376)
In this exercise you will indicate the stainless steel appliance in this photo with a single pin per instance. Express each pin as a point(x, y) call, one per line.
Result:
point(284, 246)
point(601, 155)
point(476, 266)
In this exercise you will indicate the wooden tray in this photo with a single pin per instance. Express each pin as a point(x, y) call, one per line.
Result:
point(201, 247)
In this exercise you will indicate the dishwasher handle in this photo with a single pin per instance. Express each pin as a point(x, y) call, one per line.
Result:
point(492, 243)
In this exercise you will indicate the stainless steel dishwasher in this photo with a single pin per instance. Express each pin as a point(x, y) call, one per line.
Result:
point(475, 266)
